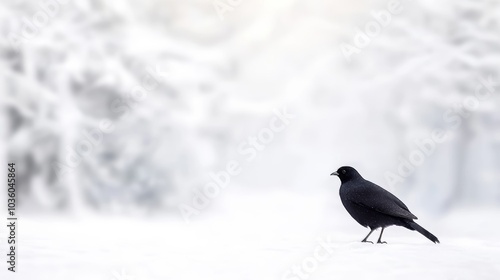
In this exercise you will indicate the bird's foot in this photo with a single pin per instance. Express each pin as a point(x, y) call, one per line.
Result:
point(381, 242)
point(366, 241)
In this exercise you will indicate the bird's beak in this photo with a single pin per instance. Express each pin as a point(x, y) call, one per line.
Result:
point(335, 173)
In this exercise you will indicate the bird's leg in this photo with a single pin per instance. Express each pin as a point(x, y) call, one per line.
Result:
point(379, 239)
point(364, 240)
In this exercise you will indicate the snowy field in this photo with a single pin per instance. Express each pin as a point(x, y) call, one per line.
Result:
point(265, 242)
point(129, 106)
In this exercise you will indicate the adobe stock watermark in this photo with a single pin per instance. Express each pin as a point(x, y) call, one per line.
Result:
point(249, 149)
point(222, 7)
point(372, 29)
point(31, 27)
point(122, 107)
point(322, 252)
point(453, 117)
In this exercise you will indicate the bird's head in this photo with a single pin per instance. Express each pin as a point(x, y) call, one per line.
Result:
point(346, 173)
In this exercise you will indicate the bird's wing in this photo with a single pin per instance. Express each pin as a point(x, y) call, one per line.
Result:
point(374, 197)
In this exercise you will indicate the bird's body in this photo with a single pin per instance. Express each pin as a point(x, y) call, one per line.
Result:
point(374, 207)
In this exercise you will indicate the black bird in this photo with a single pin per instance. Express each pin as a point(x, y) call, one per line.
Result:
point(374, 207)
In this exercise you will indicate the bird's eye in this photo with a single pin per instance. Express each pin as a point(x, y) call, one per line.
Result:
point(343, 171)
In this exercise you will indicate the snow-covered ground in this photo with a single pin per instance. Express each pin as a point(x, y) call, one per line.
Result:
point(219, 84)
point(237, 240)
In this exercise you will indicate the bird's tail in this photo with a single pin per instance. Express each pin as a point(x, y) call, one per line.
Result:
point(423, 231)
